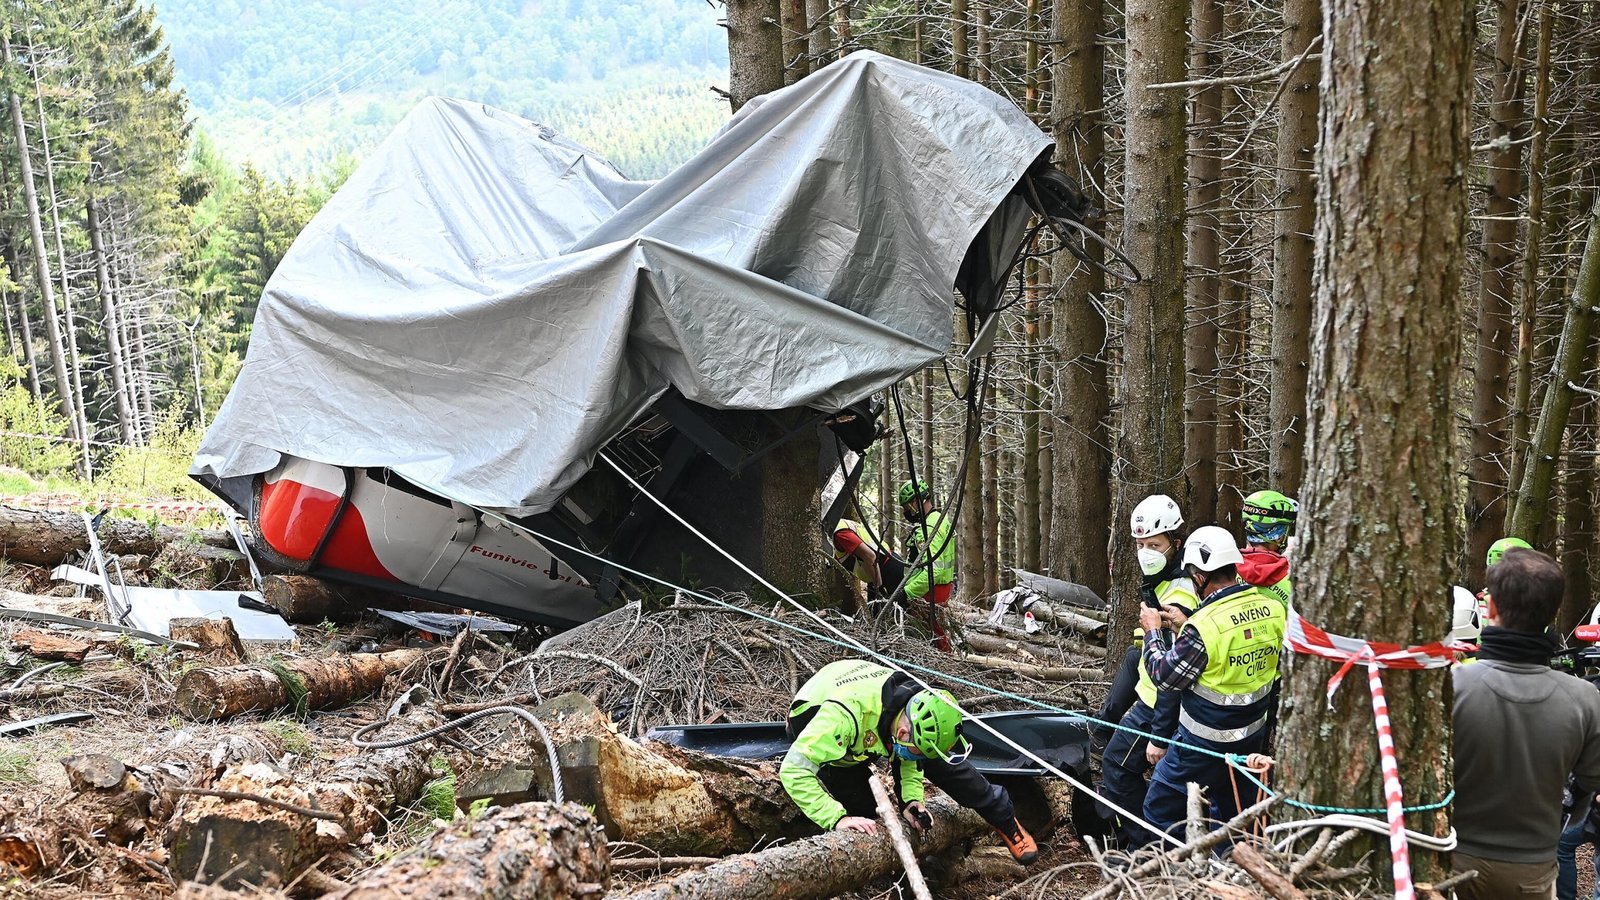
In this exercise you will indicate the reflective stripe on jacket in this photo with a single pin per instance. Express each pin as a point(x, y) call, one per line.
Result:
point(1242, 631)
point(845, 700)
point(1173, 592)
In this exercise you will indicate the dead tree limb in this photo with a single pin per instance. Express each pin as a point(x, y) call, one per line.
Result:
point(234, 842)
point(824, 866)
point(1265, 873)
point(523, 852)
point(38, 538)
point(220, 692)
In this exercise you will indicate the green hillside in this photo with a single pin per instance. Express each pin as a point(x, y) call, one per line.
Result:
point(294, 86)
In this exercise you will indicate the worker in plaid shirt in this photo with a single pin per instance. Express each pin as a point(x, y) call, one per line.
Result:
point(1224, 666)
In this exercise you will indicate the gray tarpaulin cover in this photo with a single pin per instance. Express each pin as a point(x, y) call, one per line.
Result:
point(484, 303)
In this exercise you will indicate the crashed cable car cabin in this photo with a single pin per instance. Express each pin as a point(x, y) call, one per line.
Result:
point(488, 331)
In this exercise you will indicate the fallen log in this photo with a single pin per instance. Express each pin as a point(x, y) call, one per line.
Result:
point(1043, 673)
point(838, 862)
point(1265, 873)
point(215, 636)
point(47, 539)
point(308, 600)
point(220, 692)
point(989, 643)
point(533, 850)
point(47, 645)
point(671, 800)
point(231, 841)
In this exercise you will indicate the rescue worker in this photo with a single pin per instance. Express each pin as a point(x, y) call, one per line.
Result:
point(856, 550)
point(932, 558)
point(855, 711)
point(1268, 521)
point(1224, 665)
point(1497, 550)
point(1157, 529)
point(1155, 526)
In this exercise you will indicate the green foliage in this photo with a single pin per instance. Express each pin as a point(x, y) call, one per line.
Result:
point(439, 795)
point(294, 736)
point(158, 469)
point(476, 808)
point(16, 767)
point(28, 427)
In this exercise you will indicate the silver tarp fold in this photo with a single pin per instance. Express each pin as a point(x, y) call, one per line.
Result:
point(485, 303)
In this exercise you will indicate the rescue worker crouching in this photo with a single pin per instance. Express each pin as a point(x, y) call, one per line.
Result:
point(1224, 667)
point(855, 548)
point(854, 711)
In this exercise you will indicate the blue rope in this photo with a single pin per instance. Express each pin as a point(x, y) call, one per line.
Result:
point(1235, 760)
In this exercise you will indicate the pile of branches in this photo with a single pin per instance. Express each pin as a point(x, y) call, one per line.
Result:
point(696, 663)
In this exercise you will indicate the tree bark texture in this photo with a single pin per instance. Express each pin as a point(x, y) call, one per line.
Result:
point(37, 538)
point(1578, 519)
point(825, 866)
point(669, 799)
point(41, 257)
point(1538, 472)
point(1080, 494)
point(309, 600)
point(1204, 282)
point(1491, 401)
point(116, 360)
point(755, 49)
point(221, 692)
point(1150, 452)
point(796, 63)
point(235, 842)
point(1380, 552)
point(525, 852)
point(1292, 249)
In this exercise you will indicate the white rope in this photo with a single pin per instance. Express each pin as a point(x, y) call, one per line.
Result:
point(846, 638)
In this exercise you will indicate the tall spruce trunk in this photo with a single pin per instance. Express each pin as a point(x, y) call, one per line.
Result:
point(1379, 550)
point(1080, 498)
point(1203, 284)
point(1496, 292)
point(1292, 249)
point(115, 360)
point(41, 254)
point(1577, 518)
point(1539, 469)
point(755, 50)
point(70, 331)
point(30, 358)
point(1150, 452)
point(796, 65)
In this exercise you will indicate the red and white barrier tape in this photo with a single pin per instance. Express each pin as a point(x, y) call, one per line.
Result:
point(1304, 637)
point(47, 503)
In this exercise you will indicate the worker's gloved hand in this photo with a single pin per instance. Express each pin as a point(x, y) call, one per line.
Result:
point(856, 823)
point(917, 816)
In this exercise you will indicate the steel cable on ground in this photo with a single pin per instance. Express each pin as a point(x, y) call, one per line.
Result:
point(556, 791)
point(911, 669)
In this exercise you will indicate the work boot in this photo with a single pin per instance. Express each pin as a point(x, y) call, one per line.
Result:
point(1019, 842)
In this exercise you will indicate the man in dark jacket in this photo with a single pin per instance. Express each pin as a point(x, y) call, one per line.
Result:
point(1520, 727)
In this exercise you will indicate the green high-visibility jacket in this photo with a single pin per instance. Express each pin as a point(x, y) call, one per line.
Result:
point(846, 700)
point(932, 536)
point(1177, 591)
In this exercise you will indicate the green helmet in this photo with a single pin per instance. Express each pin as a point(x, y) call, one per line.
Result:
point(1268, 516)
point(935, 723)
point(913, 489)
point(1499, 548)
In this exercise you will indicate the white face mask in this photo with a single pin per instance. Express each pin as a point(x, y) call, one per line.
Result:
point(1151, 562)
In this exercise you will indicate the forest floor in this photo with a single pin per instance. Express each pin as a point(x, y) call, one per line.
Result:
point(685, 663)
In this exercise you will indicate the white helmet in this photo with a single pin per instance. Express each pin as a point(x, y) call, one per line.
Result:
point(1464, 623)
point(1210, 548)
point(1155, 514)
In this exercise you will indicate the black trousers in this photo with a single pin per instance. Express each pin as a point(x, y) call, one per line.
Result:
point(1123, 688)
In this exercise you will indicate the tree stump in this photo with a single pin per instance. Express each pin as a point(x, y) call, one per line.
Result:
point(215, 636)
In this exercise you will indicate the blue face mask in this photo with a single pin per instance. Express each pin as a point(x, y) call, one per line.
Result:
point(904, 752)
